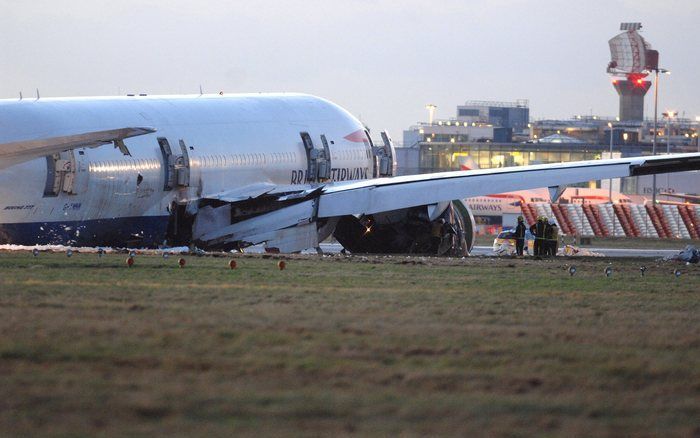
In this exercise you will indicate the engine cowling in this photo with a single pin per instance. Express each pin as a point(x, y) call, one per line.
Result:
point(416, 230)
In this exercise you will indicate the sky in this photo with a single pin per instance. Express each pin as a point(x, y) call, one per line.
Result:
point(382, 60)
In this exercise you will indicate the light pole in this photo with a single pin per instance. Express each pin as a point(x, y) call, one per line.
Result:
point(669, 115)
point(612, 131)
point(656, 71)
point(612, 206)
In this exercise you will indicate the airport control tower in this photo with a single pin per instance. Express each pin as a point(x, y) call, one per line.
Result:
point(632, 58)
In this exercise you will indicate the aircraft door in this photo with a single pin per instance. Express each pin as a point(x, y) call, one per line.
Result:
point(318, 160)
point(176, 168)
point(61, 174)
point(182, 166)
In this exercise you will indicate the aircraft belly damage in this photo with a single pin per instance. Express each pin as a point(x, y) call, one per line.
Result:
point(291, 227)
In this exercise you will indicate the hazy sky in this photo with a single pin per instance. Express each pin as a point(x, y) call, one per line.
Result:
point(382, 60)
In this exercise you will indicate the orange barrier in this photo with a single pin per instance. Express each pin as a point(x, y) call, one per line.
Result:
point(529, 213)
point(594, 220)
point(619, 212)
point(656, 222)
point(687, 214)
point(563, 219)
point(663, 221)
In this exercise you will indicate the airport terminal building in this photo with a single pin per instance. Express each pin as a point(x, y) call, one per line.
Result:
point(478, 135)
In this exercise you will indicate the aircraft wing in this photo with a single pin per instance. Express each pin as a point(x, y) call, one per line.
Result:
point(387, 194)
point(25, 150)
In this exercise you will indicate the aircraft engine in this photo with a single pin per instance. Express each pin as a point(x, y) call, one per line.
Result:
point(445, 229)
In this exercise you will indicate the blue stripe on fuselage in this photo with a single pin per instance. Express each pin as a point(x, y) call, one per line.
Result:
point(144, 231)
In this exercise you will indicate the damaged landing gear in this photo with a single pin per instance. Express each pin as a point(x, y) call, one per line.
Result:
point(409, 231)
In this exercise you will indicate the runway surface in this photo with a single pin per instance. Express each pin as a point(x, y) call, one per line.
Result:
point(334, 248)
point(607, 252)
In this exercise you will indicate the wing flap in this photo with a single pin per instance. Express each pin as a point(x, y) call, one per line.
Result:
point(25, 150)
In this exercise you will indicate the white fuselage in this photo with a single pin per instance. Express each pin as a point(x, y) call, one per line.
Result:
point(232, 142)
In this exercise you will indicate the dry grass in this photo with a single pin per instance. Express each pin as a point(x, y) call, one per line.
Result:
point(340, 346)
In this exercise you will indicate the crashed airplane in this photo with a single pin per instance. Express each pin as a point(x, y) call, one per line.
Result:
point(227, 171)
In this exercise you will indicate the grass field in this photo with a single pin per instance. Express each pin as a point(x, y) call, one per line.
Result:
point(377, 346)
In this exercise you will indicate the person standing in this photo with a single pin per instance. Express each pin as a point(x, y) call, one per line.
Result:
point(554, 243)
point(538, 231)
point(520, 236)
point(547, 239)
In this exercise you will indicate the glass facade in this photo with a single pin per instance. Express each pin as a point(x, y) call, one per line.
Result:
point(437, 157)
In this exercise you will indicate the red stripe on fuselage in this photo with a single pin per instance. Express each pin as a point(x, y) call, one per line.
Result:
point(358, 136)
